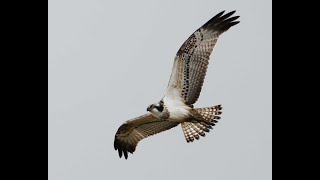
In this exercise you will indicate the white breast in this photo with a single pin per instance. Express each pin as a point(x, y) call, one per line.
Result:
point(178, 110)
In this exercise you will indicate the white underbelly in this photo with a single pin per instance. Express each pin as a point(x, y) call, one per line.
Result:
point(177, 109)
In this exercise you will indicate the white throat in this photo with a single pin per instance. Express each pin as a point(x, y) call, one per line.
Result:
point(155, 112)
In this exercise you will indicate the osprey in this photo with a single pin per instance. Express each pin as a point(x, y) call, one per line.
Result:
point(176, 107)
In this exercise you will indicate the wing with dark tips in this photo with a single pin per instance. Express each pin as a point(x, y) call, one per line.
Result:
point(133, 131)
point(192, 59)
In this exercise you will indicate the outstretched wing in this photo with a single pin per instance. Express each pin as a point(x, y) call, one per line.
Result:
point(133, 131)
point(192, 59)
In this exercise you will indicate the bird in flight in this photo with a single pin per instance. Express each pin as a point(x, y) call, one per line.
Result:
point(186, 80)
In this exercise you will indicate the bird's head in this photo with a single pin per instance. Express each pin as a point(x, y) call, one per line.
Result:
point(156, 108)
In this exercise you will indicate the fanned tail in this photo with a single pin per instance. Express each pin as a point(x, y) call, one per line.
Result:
point(209, 117)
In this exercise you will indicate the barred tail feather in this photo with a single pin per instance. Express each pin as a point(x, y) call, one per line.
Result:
point(209, 116)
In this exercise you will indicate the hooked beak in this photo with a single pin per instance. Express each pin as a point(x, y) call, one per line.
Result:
point(150, 108)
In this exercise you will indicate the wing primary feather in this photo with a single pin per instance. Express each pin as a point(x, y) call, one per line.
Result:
point(213, 19)
point(227, 15)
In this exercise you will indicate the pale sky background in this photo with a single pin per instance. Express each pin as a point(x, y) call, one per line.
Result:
point(108, 60)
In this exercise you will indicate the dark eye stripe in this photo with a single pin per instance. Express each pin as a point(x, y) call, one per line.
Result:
point(160, 108)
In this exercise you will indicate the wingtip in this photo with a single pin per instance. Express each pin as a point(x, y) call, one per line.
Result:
point(120, 153)
point(125, 154)
point(234, 23)
point(236, 17)
point(225, 16)
point(232, 12)
point(123, 149)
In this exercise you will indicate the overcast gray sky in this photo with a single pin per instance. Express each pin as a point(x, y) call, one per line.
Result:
point(108, 60)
